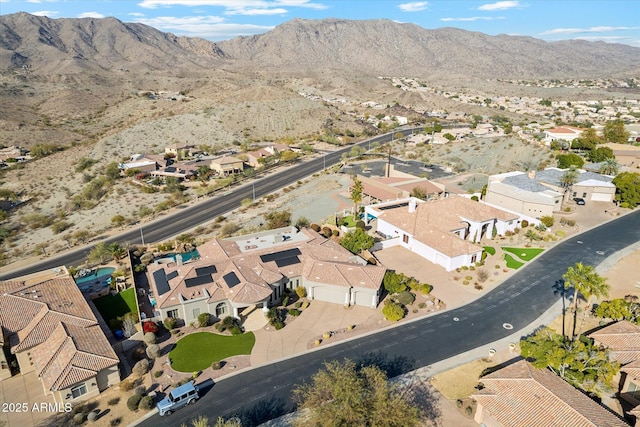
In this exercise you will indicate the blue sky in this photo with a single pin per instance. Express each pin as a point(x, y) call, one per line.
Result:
point(610, 21)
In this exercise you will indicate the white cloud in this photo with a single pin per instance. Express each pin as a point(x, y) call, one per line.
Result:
point(414, 6)
point(136, 14)
point(254, 12)
point(49, 13)
point(91, 15)
point(600, 29)
point(232, 4)
point(209, 27)
point(501, 5)
point(473, 18)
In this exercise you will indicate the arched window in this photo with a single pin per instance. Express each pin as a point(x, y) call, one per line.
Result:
point(221, 309)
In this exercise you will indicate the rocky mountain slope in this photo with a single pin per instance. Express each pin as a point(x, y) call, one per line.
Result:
point(374, 47)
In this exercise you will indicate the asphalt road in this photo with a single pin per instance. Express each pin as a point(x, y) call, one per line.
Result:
point(201, 213)
point(265, 392)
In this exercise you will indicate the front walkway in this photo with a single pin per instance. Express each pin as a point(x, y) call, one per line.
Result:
point(20, 390)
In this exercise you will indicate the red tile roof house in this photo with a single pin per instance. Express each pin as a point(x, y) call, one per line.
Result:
point(565, 133)
point(443, 231)
point(53, 330)
point(255, 269)
point(383, 189)
point(520, 395)
point(623, 341)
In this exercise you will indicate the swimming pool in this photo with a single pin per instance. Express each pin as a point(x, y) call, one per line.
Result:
point(98, 275)
point(186, 256)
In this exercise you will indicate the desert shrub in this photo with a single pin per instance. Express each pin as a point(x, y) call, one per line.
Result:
point(305, 305)
point(326, 231)
point(474, 198)
point(459, 403)
point(92, 416)
point(547, 220)
point(204, 319)
point(153, 351)
point(216, 365)
point(170, 323)
point(115, 400)
point(301, 291)
point(141, 367)
point(483, 275)
point(285, 301)
point(133, 402)
point(468, 277)
point(141, 390)
point(149, 327)
point(158, 374)
point(405, 298)
point(115, 422)
point(393, 311)
point(150, 338)
point(394, 282)
point(468, 410)
point(422, 305)
point(524, 223)
point(235, 330)
point(425, 288)
point(294, 312)
point(227, 324)
point(126, 385)
point(465, 282)
point(335, 233)
point(360, 224)
point(315, 227)
point(568, 222)
point(146, 403)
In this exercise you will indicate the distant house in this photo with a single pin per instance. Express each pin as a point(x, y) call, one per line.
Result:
point(265, 153)
point(227, 165)
point(564, 133)
point(183, 148)
point(540, 193)
point(444, 232)
point(144, 163)
point(382, 189)
point(179, 170)
point(622, 339)
point(255, 269)
point(53, 330)
point(520, 395)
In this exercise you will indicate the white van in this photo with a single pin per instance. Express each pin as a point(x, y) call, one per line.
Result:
point(177, 398)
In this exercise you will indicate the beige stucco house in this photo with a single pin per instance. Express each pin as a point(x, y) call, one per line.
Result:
point(52, 330)
point(255, 270)
point(227, 165)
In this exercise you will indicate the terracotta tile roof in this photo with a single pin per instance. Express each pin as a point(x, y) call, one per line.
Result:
point(319, 258)
point(622, 339)
point(520, 395)
point(632, 369)
point(390, 188)
point(53, 321)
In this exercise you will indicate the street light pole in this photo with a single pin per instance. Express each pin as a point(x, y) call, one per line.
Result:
point(253, 187)
point(141, 236)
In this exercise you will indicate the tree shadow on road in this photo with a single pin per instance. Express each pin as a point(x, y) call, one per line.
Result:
point(262, 411)
point(392, 366)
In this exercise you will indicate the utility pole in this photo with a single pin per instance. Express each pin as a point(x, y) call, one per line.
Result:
point(141, 236)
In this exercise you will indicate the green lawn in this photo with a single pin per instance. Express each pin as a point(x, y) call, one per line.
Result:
point(525, 254)
point(112, 306)
point(198, 351)
point(512, 263)
point(490, 250)
point(348, 221)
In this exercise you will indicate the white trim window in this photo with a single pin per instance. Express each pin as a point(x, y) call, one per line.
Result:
point(78, 390)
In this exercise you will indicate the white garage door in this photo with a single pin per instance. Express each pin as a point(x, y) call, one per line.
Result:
point(601, 197)
point(325, 293)
point(364, 298)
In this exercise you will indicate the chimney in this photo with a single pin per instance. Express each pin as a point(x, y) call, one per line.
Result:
point(179, 259)
point(532, 174)
point(412, 205)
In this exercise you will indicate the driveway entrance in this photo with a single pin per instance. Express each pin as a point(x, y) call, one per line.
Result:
point(19, 390)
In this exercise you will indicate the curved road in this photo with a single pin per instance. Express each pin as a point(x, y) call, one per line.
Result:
point(265, 392)
point(189, 217)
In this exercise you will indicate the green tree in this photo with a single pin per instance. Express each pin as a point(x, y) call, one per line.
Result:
point(112, 171)
point(278, 219)
point(344, 395)
point(357, 241)
point(116, 250)
point(419, 193)
point(289, 156)
point(565, 161)
point(609, 167)
point(614, 131)
point(628, 189)
point(81, 236)
point(585, 283)
point(356, 194)
point(449, 136)
point(394, 282)
point(600, 154)
point(579, 362)
point(393, 311)
point(616, 309)
point(302, 222)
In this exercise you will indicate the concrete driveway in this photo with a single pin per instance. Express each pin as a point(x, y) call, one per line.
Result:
point(19, 390)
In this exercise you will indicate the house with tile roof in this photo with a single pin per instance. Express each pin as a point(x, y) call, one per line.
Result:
point(50, 328)
point(564, 133)
point(227, 165)
point(445, 231)
point(540, 193)
point(255, 269)
point(399, 186)
point(520, 395)
point(622, 339)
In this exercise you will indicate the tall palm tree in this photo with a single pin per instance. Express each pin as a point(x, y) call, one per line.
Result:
point(356, 195)
point(609, 167)
point(568, 178)
point(586, 283)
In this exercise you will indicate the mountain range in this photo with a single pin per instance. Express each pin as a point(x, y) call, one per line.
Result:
point(371, 47)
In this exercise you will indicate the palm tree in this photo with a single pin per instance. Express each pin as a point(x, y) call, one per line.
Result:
point(356, 195)
point(116, 251)
point(609, 167)
point(568, 178)
point(585, 283)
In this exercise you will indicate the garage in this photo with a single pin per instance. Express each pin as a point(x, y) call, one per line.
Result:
point(330, 294)
point(363, 298)
point(601, 197)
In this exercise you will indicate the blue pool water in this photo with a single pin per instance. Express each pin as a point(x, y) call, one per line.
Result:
point(100, 275)
point(186, 256)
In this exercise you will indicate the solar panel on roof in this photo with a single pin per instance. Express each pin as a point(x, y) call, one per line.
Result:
point(287, 261)
point(210, 269)
point(170, 169)
point(172, 275)
point(231, 279)
point(198, 281)
point(161, 282)
point(280, 255)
